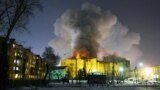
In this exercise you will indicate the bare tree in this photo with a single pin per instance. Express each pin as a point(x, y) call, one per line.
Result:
point(51, 59)
point(14, 15)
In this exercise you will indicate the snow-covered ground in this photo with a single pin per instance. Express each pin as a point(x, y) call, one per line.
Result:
point(88, 88)
point(60, 86)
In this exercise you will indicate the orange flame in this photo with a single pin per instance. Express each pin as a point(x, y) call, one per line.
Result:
point(80, 54)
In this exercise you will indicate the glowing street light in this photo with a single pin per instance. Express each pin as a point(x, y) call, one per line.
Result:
point(121, 69)
point(148, 71)
point(141, 64)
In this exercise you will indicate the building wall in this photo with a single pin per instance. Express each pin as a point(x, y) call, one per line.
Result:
point(23, 64)
point(16, 61)
point(148, 73)
point(93, 65)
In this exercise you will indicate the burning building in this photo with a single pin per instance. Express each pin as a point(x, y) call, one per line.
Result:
point(90, 33)
point(93, 32)
point(111, 65)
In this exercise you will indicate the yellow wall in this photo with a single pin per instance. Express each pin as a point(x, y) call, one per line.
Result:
point(149, 73)
point(92, 65)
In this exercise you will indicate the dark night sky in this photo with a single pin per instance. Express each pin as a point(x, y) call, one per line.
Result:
point(140, 16)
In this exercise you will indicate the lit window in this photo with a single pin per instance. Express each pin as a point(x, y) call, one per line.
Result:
point(14, 61)
point(15, 53)
point(17, 68)
point(16, 75)
point(14, 68)
point(13, 45)
point(18, 62)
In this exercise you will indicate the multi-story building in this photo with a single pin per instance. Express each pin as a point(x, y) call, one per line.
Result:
point(23, 64)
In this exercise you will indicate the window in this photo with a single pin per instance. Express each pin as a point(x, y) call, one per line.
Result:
point(18, 54)
point(14, 61)
point(34, 62)
point(20, 51)
point(16, 75)
point(17, 68)
point(13, 45)
point(15, 53)
point(14, 68)
point(18, 62)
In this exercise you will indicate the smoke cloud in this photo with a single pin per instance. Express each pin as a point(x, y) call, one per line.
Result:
point(94, 31)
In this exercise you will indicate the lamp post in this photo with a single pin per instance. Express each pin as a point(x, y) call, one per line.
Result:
point(140, 65)
point(136, 73)
point(121, 69)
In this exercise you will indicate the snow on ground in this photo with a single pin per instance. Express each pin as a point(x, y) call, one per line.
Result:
point(85, 86)
point(89, 88)
point(101, 88)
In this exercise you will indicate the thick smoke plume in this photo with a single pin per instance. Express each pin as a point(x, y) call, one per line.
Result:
point(95, 32)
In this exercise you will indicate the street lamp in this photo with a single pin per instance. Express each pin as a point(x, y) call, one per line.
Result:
point(148, 71)
point(121, 69)
point(141, 64)
point(138, 71)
